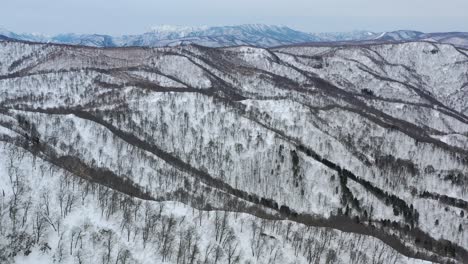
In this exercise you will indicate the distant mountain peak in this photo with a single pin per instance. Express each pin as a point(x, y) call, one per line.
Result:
point(192, 29)
point(176, 28)
point(399, 35)
point(263, 26)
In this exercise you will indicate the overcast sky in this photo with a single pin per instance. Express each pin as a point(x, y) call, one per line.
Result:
point(137, 16)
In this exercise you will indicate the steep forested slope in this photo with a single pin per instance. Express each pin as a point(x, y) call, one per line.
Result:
point(350, 154)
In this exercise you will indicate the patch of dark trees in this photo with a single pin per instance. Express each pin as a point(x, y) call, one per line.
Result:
point(423, 240)
point(102, 176)
point(399, 206)
point(410, 215)
point(297, 177)
point(348, 197)
point(456, 177)
point(455, 202)
point(432, 51)
point(15, 64)
point(31, 133)
point(396, 164)
point(145, 85)
point(367, 92)
point(20, 243)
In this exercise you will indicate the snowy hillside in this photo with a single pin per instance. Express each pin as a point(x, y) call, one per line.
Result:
point(189, 154)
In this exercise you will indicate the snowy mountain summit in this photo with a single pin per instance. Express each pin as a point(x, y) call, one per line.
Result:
point(251, 34)
point(189, 154)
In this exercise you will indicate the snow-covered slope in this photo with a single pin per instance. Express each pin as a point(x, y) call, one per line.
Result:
point(342, 154)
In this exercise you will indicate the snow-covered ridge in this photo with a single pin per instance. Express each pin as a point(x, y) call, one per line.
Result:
point(330, 154)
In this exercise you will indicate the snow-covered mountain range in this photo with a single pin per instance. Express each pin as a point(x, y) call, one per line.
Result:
point(256, 35)
point(223, 36)
point(189, 154)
